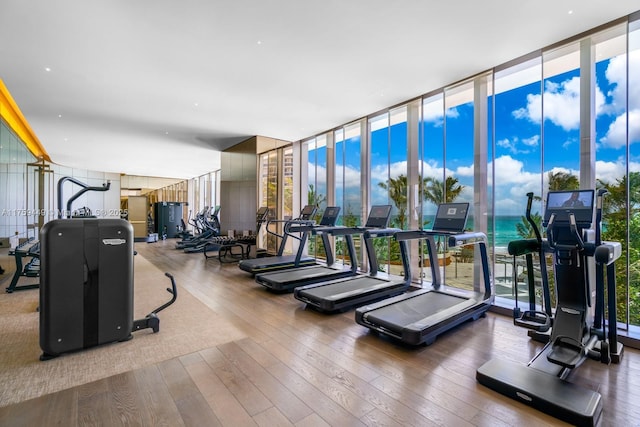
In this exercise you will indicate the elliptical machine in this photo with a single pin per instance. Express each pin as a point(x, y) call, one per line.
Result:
point(577, 329)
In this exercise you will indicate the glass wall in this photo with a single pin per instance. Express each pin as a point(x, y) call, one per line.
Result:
point(459, 178)
point(516, 166)
point(268, 196)
point(564, 117)
point(612, 157)
point(17, 189)
point(633, 179)
point(389, 178)
point(348, 194)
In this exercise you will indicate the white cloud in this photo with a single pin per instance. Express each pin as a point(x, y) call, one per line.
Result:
point(318, 173)
point(433, 112)
point(534, 141)
point(561, 104)
point(616, 73)
point(348, 175)
point(616, 136)
point(466, 171)
point(510, 171)
point(610, 171)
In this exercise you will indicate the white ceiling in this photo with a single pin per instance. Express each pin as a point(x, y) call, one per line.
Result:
point(157, 87)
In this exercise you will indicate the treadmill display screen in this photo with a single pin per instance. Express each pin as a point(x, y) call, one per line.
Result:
point(330, 216)
point(576, 202)
point(451, 217)
point(262, 212)
point(379, 216)
point(307, 212)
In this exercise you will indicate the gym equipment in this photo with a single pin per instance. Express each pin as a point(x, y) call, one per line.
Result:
point(287, 280)
point(86, 288)
point(61, 214)
point(419, 316)
point(29, 249)
point(225, 245)
point(210, 228)
point(167, 219)
point(298, 229)
point(342, 294)
point(578, 328)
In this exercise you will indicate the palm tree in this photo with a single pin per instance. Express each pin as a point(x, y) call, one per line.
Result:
point(397, 188)
point(562, 181)
point(313, 198)
point(524, 229)
point(434, 191)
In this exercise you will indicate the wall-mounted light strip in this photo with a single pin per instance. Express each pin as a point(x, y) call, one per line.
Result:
point(12, 115)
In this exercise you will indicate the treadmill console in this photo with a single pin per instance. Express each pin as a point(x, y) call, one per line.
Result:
point(262, 213)
point(451, 217)
point(307, 212)
point(330, 216)
point(379, 216)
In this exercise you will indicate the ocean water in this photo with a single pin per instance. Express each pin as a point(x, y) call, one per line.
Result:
point(505, 230)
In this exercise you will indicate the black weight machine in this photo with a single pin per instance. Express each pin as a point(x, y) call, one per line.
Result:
point(86, 289)
point(578, 329)
point(27, 254)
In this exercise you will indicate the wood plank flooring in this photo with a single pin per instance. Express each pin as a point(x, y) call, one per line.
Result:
point(298, 367)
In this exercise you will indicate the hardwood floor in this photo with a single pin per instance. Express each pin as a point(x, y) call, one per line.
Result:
point(303, 368)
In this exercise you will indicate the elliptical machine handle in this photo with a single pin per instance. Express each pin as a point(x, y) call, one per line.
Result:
point(533, 224)
point(599, 204)
point(574, 231)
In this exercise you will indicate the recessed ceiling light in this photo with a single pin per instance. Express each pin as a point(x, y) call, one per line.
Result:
point(571, 12)
point(47, 69)
point(259, 41)
point(59, 115)
point(195, 104)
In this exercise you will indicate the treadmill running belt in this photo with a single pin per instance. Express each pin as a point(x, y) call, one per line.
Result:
point(427, 309)
point(341, 290)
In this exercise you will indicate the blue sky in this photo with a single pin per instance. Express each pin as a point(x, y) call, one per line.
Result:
point(518, 137)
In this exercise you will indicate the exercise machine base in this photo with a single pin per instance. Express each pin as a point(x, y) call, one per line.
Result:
point(542, 391)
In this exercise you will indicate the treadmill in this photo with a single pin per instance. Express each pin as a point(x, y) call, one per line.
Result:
point(343, 294)
point(286, 281)
point(298, 229)
point(418, 317)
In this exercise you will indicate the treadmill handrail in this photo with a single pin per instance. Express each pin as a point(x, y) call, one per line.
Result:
point(467, 238)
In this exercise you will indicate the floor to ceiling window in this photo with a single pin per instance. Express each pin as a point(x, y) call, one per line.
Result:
point(516, 165)
point(268, 196)
point(458, 183)
point(560, 106)
point(562, 118)
point(348, 194)
point(389, 185)
point(633, 175)
point(317, 189)
point(611, 138)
